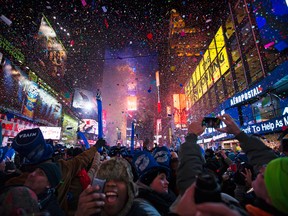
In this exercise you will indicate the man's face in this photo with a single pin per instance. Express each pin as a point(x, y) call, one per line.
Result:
point(259, 185)
point(116, 196)
point(37, 181)
point(160, 183)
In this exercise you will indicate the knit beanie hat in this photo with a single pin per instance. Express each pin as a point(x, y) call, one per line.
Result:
point(31, 145)
point(18, 200)
point(53, 173)
point(162, 155)
point(119, 169)
point(147, 167)
point(276, 179)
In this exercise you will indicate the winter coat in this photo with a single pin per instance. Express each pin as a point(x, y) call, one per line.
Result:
point(257, 152)
point(191, 163)
point(141, 207)
point(160, 201)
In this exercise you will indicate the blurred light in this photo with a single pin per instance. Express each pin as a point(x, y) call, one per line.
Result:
point(157, 79)
point(54, 17)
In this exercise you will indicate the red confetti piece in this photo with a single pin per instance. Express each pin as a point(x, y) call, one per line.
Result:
point(150, 36)
point(106, 23)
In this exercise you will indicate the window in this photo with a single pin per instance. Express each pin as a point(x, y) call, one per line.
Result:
point(229, 27)
point(234, 50)
point(220, 91)
point(254, 65)
point(229, 84)
point(240, 76)
point(213, 97)
point(240, 11)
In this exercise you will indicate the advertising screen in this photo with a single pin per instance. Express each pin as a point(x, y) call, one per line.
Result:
point(84, 102)
point(53, 133)
point(69, 128)
point(51, 55)
point(12, 83)
point(48, 109)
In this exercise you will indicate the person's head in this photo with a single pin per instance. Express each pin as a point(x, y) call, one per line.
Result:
point(284, 146)
point(271, 184)
point(174, 162)
point(19, 201)
point(45, 176)
point(119, 187)
point(150, 172)
point(159, 181)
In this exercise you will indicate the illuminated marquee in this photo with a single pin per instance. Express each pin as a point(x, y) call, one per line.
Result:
point(213, 64)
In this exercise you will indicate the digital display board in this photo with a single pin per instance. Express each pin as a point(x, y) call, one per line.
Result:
point(213, 64)
point(52, 55)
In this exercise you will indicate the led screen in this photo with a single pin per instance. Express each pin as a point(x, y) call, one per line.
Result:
point(12, 83)
point(51, 54)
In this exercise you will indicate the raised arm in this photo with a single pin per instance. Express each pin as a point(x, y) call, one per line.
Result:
point(257, 152)
point(191, 160)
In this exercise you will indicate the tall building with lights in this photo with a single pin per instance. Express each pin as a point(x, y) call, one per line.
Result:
point(243, 72)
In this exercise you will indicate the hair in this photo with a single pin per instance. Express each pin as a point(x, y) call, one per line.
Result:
point(284, 145)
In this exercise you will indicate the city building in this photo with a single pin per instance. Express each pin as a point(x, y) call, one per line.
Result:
point(243, 72)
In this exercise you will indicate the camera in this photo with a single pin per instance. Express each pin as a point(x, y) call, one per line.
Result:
point(211, 122)
point(207, 189)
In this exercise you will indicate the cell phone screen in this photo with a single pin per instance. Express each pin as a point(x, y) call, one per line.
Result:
point(211, 122)
point(100, 183)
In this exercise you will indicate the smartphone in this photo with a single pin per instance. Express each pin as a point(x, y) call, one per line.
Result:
point(211, 122)
point(100, 183)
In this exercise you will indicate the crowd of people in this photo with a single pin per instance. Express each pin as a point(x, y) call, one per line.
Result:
point(42, 179)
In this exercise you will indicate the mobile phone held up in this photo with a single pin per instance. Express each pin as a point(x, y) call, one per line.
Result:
point(100, 183)
point(211, 122)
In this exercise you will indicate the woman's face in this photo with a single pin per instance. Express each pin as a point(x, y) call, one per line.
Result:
point(160, 183)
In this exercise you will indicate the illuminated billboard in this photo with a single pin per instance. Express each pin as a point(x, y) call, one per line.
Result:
point(179, 108)
point(69, 128)
point(12, 83)
point(51, 54)
point(211, 67)
point(53, 133)
point(85, 102)
point(132, 103)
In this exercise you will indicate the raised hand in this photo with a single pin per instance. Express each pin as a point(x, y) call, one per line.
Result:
point(231, 126)
point(90, 202)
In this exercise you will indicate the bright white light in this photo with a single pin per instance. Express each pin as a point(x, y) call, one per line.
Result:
point(287, 2)
point(54, 17)
point(68, 34)
point(88, 106)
